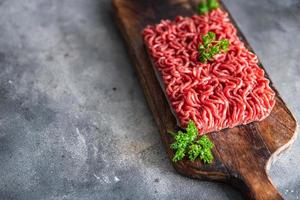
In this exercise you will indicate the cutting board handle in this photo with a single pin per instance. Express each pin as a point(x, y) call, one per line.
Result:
point(259, 185)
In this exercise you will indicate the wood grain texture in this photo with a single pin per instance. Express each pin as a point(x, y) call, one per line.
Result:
point(242, 154)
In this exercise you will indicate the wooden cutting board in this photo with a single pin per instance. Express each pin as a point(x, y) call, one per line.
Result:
point(242, 154)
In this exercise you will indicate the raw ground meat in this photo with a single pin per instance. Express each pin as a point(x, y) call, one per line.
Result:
point(225, 92)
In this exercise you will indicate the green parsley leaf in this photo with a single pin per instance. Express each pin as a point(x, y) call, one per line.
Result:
point(205, 142)
point(202, 59)
point(206, 156)
point(192, 130)
point(224, 44)
point(212, 36)
point(179, 155)
point(208, 38)
point(187, 143)
point(212, 4)
point(203, 8)
point(207, 5)
point(214, 50)
point(195, 151)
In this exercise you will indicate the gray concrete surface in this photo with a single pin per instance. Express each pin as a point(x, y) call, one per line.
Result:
point(74, 123)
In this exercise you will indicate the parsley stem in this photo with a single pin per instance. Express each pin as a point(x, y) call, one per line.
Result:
point(172, 133)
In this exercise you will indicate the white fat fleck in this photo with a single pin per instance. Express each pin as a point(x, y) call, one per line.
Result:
point(95, 151)
point(77, 148)
point(9, 81)
point(116, 179)
point(81, 140)
point(81, 143)
point(78, 132)
point(94, 123)
point(97, 177)
point(106, 179)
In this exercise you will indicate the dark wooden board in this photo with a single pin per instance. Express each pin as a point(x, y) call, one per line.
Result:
point(242, 154)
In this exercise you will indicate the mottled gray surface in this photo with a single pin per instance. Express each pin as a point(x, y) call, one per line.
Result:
point(74, 123)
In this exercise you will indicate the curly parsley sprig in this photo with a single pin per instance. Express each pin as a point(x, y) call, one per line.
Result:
point(208, 5)
point(188, 144)
point(211, 47)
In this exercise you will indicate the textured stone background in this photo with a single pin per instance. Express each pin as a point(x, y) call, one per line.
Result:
point(74, 123)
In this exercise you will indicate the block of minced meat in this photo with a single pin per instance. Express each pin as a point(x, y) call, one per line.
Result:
point(226, 91)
